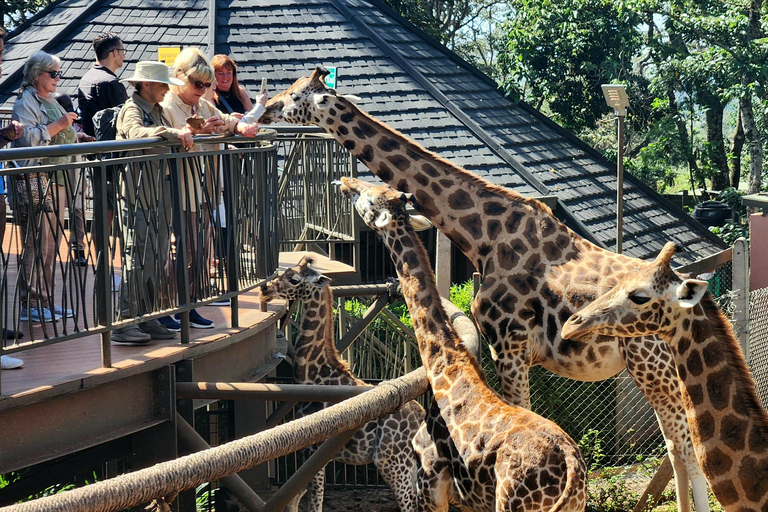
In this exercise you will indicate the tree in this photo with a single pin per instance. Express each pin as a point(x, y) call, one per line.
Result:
point(561, 52)
point(16, 12)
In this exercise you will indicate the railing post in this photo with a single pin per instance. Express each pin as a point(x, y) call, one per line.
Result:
point(103, 284)
point(740, 264)
point(180, 228)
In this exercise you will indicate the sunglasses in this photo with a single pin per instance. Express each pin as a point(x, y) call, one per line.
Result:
point(55, 74)
point(200, 86)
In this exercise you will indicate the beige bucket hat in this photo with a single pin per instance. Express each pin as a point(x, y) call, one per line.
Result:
point(152, 71)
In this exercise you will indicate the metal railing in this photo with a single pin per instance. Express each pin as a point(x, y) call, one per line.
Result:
point(162, 231)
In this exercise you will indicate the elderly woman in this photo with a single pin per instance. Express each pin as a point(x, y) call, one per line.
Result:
point(45, 123)
point(183, 102)
point(146, 203)
point(228, 95)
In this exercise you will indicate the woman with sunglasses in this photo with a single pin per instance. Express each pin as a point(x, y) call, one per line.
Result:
point(200, 179)
point(45, 123)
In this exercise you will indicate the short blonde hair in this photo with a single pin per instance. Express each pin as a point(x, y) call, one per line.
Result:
point(191, 62)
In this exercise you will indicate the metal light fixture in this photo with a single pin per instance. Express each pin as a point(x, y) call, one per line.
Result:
point(616, 98)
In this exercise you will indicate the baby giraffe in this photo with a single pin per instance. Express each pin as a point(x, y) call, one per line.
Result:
point(386, 441)
point(503, 457)
point(728, 425)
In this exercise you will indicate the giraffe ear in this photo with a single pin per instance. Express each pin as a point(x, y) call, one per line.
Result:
point(351, 98)
point(690, 292)
point(383, 220)
point(419, 222)
point(323, 101)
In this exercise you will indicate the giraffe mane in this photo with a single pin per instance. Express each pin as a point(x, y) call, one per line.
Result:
point(734, 358)
point(328, 342)
point(496, 189)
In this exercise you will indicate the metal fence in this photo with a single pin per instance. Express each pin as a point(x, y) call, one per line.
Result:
point(160, 231)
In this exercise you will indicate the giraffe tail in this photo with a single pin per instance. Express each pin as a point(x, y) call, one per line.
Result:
point(574, 497)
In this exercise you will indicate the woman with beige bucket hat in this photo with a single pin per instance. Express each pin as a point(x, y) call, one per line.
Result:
point(146, 204)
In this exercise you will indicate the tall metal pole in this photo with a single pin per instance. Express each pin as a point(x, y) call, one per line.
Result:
point(620, 186)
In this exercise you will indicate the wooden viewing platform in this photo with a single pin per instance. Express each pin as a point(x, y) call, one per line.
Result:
point(63, 400)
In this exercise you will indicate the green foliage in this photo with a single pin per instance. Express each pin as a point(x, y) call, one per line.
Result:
point(610, 493)
point(16, 12)
point(462, 296)
point(735, 229)
point(591, 446)
point(564, 51)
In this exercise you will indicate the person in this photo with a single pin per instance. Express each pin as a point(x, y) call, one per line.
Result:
point(100, 88)
point(7, 134)
point(45, 123)
point(228, 95)
point(146, 203)
point(195, 71)
point(68, 190)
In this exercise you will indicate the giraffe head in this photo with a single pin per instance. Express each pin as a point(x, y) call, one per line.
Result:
point(381, 205)
point(647, 302)
point(304, 102)
point(296, 283)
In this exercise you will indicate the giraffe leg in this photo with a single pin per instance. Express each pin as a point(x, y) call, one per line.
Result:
point(434, 486)
point(650, 364)
point(316, 492)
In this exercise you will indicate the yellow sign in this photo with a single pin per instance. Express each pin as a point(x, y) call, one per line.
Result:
point(168, 54)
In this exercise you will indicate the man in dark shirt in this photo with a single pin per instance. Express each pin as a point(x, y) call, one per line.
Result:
point(99, 88)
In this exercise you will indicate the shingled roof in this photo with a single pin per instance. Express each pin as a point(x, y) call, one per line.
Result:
point(404, 77)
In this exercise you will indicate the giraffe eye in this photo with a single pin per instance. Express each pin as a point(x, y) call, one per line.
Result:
point(295, 97)
point(639, 297)
point(295, 279)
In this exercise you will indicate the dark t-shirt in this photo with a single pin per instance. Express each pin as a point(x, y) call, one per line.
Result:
point(99, 89)
point(229, 100)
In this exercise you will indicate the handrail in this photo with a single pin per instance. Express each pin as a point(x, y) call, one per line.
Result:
point(184, 186)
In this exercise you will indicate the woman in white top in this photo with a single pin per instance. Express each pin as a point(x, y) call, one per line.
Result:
point(201, 189)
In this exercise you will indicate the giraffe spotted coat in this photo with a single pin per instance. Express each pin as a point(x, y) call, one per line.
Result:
point(535, 272)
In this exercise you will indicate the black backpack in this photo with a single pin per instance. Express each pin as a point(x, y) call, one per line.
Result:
point(105, 123)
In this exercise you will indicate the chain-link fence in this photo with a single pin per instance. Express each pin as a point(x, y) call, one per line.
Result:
point(758, 341)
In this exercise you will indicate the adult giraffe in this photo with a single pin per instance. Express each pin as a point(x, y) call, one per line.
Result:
point(535, 271)
point(730, 427)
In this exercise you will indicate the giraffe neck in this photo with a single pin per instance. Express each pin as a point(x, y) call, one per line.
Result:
point(456, 380)
point(723, 409)
point(315, 355)
point(472, 212)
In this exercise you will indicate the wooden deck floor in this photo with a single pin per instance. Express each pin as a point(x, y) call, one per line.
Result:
point(77, 364)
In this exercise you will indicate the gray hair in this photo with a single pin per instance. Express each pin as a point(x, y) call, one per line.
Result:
point(38, 63)
point(192, 62)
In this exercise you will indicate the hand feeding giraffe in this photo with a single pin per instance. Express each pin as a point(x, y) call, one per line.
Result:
point(504, 457)
point(535, 271)
point(387, 441)
point(728, 424)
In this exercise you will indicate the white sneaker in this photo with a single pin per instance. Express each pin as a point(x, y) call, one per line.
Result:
point(10, 363)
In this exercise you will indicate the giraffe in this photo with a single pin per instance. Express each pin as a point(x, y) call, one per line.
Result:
point(535, 272)
point(504, 457)
point(728, 424)
point(386, 441)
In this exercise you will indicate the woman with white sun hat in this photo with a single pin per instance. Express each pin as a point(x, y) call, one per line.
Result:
point(146, 203)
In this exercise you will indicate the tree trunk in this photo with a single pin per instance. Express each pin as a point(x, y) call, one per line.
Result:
point(685, 141)
point(715, 140)
point(737, 146)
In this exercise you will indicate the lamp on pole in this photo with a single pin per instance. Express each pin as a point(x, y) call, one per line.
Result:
point(616, 97)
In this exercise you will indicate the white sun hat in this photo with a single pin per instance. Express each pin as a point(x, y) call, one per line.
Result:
point(152, 71)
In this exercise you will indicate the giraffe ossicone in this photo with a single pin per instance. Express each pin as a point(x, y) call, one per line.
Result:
point(535, 272)
point(502, 457)
point(728, 424)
